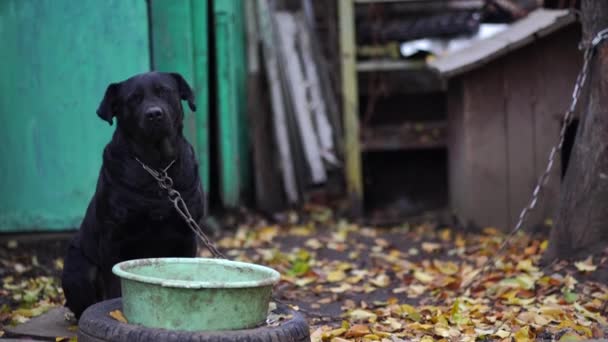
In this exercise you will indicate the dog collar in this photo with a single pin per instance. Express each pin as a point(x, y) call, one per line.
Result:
point(153, 172)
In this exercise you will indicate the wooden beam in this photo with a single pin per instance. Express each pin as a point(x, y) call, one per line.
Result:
point(350, 104)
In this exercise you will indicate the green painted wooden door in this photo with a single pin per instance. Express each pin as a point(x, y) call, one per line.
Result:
point(179, 42)
point(231, 72)
point(57, 58)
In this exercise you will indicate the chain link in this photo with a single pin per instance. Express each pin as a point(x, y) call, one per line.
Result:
point(166, 183)
point(544, 178)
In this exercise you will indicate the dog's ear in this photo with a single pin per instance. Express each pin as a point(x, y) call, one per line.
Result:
point(108, 106)
point(185, 92)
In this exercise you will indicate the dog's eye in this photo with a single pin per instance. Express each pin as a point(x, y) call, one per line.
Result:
point(160, 90)
point(134, 99)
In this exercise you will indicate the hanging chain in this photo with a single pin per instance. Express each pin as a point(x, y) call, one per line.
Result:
point(166, 183)
point(544, 178)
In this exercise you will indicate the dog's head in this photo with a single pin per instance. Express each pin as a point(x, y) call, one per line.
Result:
point(148, 106)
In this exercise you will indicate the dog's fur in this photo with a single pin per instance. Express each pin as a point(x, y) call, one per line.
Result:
point(129, 216)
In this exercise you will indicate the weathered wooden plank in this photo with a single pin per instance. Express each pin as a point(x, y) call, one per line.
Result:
point(459, 180)
point(277, 99)
point(324, 73)
point(558, 61)
point(316, 101)
point(350, 105)
point(267, 190)
point(520, 103)
point(287, 32)
point(485, 146)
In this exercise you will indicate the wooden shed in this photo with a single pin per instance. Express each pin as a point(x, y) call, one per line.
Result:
point(506, 97)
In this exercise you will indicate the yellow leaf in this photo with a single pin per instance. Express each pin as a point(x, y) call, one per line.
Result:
point(502, 333)
point(423, 277)
point(268, 233)
point(382, 280)
point(336, 276)
point(447, 268)
point(427, 339)
point(300, 231)
point(586, 265)
point(520, 301)
point(445, 234)
point(553, 311)
point(523, 335)
point(301, 282)
point(392, 324)
point(526, 266)
point(334, 333)
point(362, 315)
point(491, 231)
point(419, 326)
point(430, 247)
point(588, 314)
point(339, 339)
point(371, 337)
point(411, 312)
point(317, 335)
point(342, 288)
point(570, 336)
point(313, 243)
point(544, 245)
point(442, 330)
point(117, 315)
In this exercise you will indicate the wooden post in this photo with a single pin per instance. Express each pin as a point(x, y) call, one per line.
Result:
point(350, 106)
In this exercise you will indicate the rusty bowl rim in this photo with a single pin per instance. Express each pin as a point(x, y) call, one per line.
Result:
point(121, 270)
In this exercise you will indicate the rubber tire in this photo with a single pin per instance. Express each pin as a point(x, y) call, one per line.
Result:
point(96, 325)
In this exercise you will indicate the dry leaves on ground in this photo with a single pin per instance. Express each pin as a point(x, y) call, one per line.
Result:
point(357, 283)
point(407, 283)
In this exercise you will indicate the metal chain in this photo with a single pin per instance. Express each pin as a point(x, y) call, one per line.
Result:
point(544, 178)
point(166, 183)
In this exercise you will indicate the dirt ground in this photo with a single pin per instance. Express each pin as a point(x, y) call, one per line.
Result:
point(353, 282)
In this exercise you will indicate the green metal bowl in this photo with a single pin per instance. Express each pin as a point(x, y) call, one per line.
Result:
point(195, 294)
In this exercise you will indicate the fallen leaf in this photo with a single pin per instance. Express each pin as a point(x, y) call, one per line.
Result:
point(336, 276)
point(362, 315)
point(357, 330)
point(382, 280)
point(430, 247)
point(423, 277)
point(586, 265)
point(117, 315)
point(447, 268)
point(523, 335)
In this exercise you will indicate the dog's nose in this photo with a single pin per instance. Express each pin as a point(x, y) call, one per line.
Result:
point(153, 113)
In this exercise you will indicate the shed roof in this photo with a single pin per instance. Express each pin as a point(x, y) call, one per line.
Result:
point(537, 24)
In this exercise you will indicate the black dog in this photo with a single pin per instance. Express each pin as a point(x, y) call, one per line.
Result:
point(129, 216)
